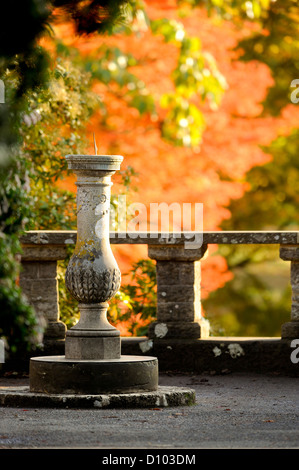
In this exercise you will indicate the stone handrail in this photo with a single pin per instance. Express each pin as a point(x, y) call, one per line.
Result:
point(178, 276)
point(66, 237)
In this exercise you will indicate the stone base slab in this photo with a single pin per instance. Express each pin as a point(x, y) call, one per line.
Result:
point(218, 355)
point(58, 375)
point(213, 355)
point(162, 397)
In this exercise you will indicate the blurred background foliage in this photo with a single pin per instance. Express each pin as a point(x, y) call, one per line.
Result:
point(50, 98)
point(261, 281)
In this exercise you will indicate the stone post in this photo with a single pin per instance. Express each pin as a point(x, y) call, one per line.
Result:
point(92, 275)
point(178, 293)
point(38, 281)
point(290, 330)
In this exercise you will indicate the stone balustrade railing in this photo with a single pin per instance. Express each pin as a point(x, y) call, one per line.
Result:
point(178, 265)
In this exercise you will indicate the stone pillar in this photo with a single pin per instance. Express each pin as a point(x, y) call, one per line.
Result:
point(93, 363)
point(38, 281)
point(92, 275)
point(290, 330)
point(178, 293)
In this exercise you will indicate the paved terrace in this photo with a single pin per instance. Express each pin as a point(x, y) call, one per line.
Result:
point(232, 411)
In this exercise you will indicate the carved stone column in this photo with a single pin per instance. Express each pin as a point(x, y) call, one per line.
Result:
point(290, 253)
point(178, 293)
point(93, 363)
point(92, 275)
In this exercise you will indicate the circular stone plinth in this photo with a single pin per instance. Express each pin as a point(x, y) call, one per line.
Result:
point(58, 375)
point(162, 397)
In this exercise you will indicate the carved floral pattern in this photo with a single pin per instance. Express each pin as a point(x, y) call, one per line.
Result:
point(88, 286)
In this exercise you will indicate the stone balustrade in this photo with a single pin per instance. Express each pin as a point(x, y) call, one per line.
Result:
point(178, 264)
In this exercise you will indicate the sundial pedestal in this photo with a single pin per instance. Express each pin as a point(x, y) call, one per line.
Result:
point(93, 363)
point(93, 373)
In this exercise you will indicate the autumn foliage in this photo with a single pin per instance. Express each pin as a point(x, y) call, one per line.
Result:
point(213, 170)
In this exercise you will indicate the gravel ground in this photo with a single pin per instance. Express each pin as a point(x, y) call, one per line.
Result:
point(233, 411)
